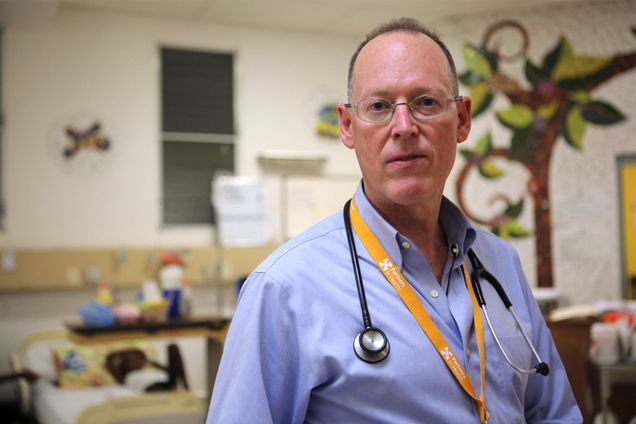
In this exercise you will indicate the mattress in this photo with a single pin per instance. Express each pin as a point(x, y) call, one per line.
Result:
point(53, 405)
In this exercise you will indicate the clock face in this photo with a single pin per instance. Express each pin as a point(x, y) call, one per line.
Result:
point(81, 146)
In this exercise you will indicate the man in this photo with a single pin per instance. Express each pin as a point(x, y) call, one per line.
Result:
point(289, 355)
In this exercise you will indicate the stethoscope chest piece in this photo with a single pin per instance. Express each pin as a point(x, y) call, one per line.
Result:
point(371, 345)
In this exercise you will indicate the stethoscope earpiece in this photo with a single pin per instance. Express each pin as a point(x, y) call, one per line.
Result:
point(371, 345)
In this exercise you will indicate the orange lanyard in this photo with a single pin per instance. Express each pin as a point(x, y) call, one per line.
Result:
point(408, 296)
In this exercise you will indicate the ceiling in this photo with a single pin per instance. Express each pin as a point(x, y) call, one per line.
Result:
point(337, 17)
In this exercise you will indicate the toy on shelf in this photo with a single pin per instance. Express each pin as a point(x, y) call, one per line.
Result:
point(104, 294)
point(171, 278)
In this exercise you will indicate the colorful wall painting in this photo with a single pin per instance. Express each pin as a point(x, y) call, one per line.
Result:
point(558, 105)
point(326, 126)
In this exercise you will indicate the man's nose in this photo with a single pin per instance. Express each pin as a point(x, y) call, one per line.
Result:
point(403, 122)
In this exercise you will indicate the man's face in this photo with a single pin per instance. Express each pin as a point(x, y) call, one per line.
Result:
point(404, 161)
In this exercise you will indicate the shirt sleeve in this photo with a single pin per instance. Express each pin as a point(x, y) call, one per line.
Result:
point(260, 377)
point(548, 399)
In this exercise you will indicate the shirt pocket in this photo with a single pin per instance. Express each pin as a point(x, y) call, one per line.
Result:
point(512, 342)
point(511, 381)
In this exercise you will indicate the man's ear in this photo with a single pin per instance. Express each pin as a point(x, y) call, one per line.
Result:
point(344, 123)
point(464, 118)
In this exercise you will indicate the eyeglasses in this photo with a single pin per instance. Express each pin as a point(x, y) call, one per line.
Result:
point(422, 108)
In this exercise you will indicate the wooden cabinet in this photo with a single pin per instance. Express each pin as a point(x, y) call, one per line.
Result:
point(572, 339)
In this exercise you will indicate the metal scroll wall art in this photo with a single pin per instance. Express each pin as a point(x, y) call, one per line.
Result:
point(559, 104)
point(79, 139)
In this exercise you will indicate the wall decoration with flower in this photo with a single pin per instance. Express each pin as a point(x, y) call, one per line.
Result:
point(559, 104)
point(80, 145)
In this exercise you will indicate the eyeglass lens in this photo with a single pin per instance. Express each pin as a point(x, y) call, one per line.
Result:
point(422, 107)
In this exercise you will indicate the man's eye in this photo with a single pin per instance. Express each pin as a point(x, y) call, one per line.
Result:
point(426, 102)
point(377, 106)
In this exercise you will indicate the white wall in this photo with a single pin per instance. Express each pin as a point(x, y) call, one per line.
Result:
point(104, 66)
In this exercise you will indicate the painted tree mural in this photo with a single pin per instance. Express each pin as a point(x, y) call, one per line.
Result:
point(558, 104)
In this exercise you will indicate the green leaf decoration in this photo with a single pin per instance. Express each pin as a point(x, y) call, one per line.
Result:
point(574, 127)
point(511, 229)
point(580, 96)
point(516, 230)
point(552, 58)
point(516, 117)
point(514, 209)
point(477, 62)
point(483, 145)
point(584, 83)
point(534, 74)
point(571, 66)
point(547, 111)
point(468, 154)
point(481, 97)
point(601, 113)
point(489, 169)
point(481, 150)
point(501, 231)
point(469, 78)
point(522, 144)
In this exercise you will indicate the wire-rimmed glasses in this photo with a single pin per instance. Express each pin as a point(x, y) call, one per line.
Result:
point(422, 108)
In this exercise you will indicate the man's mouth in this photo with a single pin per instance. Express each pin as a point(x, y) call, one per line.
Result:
point(406, 158)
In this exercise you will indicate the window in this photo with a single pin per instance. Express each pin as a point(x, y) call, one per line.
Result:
point(197, 130)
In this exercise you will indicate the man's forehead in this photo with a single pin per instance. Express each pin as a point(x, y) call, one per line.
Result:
point(395, 47)
point(403, 38)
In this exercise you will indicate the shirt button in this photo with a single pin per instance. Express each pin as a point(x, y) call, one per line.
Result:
point(406, 244)
point(434, 293)
point(468, 352)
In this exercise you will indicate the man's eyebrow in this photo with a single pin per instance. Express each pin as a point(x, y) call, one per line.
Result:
point(388, 94)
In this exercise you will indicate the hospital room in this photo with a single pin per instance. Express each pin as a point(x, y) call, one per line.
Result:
point(166, 167)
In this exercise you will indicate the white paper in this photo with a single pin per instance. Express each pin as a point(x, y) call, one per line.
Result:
point(311, 199)
point(240, 209)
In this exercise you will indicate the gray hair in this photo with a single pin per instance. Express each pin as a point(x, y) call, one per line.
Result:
point(407, 25)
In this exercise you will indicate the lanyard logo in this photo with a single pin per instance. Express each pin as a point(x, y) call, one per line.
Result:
point(446, 353)
point(385, 264)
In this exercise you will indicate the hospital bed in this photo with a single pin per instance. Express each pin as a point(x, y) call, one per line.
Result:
point(108, 404)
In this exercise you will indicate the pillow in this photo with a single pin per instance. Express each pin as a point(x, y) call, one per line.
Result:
point(84, 366)
point(37, 357)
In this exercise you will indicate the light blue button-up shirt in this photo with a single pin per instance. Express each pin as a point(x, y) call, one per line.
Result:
point(289, 357)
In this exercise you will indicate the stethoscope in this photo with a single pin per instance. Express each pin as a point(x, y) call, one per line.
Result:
point(371, 344)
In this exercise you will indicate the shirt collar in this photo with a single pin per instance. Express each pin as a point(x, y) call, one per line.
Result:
point(456, 226)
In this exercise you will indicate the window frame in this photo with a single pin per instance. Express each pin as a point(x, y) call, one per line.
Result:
point(194, 137)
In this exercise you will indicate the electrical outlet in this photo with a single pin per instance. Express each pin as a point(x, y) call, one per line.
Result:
point(8, 261)
point(73, 276)
point(120, 256)
point(92, 274)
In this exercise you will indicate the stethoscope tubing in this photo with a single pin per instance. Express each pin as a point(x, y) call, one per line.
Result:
point(479, 271)
point(363, 343)
point(366, 317)
point(541, 368)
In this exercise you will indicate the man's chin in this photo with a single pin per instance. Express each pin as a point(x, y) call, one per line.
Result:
point(411, 190)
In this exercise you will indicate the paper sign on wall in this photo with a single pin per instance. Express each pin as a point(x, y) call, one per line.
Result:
point(239, 203)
